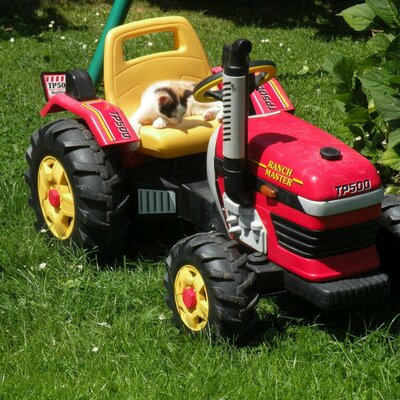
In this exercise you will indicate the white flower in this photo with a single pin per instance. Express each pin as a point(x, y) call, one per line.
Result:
point(357, 138)
point(42, 266)
point(106, 324)
point(97, 14)
point(149, 44)
point(12, 40)
point(50, 25)
point(288, 49)
point(96, 40)
point(84, 46)
point(265, 40)
point(62, 37)
point(95, 349)
point(304, 69)
point(161, 317)
point(79, 267)
point(280, 44)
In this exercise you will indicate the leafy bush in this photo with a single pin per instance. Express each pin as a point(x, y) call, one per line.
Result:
point(369, 90)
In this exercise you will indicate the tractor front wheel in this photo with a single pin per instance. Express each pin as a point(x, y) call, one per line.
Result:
point(77, 190)
point(209, 288)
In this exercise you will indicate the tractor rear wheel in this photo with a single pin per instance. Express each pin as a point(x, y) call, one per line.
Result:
point(209, 288)
point(77, 190)
point(388, 239)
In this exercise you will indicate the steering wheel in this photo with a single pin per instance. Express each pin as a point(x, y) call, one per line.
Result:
point(266, 70)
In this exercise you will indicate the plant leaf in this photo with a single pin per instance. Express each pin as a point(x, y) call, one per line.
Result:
point(387, 106)
point(393, 50)
point(386, 10)
point(379, 42)
point(357, 115)
point(391, 158)
point(359, 17)
point(394, 139)
point(330, 61)
point(377, 82)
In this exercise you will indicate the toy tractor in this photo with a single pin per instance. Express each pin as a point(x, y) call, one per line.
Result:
point(278, 204)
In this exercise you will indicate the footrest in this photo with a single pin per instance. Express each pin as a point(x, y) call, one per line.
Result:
point(342, 293)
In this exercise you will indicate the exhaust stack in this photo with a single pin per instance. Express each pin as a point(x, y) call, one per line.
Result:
point(236, 107)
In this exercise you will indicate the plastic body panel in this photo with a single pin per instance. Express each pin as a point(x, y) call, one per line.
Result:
point(107, 122)
point(284, 152)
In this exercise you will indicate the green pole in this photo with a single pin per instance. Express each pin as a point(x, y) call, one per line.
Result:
point(117, 16)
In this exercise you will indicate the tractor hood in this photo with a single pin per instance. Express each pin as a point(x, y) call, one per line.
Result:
point(294, 155)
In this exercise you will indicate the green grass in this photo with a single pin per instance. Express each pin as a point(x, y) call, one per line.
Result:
point(72, 330)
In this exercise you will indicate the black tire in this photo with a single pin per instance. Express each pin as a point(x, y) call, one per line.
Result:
point(229, 286)
point(388, 239)
point(99, 198)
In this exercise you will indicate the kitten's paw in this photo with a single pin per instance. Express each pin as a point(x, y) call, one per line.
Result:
point(133, 146)
point(160, 123)
point(220, 116)
point(208, 115)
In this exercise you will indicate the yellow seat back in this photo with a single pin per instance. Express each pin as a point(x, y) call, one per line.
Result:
point(125, 80)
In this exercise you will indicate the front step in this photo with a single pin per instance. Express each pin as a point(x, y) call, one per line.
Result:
point(342, 293)
point(367, 288)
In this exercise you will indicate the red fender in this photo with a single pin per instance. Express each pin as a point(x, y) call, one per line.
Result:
point(269, 98)
point(107, 122)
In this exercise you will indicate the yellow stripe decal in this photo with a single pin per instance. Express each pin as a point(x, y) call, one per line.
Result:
point(279, 93)
point(101, 119)
point(297, 181)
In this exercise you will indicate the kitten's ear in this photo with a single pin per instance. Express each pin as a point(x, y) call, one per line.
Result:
point(187, 93)
point(163, 100)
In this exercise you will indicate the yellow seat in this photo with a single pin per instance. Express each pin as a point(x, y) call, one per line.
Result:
point(190, 137)
point(126, 80)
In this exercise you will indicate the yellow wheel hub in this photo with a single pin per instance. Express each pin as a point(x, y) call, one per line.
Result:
point(191, 298)
point(56, 198)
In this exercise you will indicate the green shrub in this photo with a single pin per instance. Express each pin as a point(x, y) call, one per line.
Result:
point(368, 90)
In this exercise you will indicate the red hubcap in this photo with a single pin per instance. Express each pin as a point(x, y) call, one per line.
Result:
point(54, 198)
point(189, 297)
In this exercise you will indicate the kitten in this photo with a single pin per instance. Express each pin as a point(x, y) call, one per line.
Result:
point(168, 102)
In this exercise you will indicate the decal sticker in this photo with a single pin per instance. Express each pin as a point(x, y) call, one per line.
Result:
point(123, 130)
point(267, 98)
point(353, 187)
point(279, 172)
point(53, 83)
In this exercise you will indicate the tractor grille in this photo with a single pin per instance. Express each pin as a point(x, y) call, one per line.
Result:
point(318, 244)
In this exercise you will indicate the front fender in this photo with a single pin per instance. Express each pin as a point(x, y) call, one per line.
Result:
point(107, 122)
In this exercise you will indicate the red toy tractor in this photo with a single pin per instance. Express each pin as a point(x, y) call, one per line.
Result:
point(278, 203)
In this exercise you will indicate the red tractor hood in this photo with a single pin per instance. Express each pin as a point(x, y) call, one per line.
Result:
point(292, 154)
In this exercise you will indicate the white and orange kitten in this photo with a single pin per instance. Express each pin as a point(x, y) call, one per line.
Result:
point(167, 102)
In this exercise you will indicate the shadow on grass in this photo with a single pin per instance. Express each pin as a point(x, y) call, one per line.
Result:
point(153, 243)
point(29, 18)
point(320, 14)
point(345, 324)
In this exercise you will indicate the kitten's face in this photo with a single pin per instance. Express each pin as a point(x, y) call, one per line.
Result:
point(172, 103)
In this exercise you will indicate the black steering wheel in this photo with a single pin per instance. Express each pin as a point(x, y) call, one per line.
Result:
point(266, 70)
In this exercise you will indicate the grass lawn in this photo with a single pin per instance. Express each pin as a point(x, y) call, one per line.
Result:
point(72, 330)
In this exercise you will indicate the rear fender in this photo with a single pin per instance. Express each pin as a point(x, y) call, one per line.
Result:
point(268, 98)
point(107, 122)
